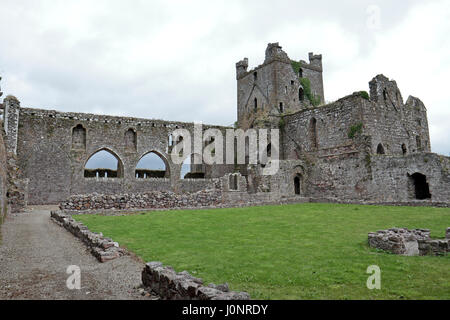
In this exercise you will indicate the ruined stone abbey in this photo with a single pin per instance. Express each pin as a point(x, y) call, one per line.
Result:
point(367, 147)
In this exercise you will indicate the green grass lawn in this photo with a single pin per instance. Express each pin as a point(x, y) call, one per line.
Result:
point(302, 251)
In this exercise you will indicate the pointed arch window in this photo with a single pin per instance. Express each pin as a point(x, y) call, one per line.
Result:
point(103, 164)
point(152, 165)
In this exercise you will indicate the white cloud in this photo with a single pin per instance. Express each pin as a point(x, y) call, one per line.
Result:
point(175, 59)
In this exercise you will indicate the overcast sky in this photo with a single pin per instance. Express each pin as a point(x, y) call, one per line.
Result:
point(175, 60)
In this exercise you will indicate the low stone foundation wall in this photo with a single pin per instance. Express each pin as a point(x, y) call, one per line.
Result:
point(104, 249)
point(149, 200)
point(169, 285)
point(409, 242)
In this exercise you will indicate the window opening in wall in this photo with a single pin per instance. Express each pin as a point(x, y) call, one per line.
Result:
point(313, 133)
point(301, 94)
point(300, 73)
point(152, 165)
point(103, 164)
point(255, 104)
point(281, 107)
point(255, 76)
point(404, 150)
point(380, 149)
point(418, 143)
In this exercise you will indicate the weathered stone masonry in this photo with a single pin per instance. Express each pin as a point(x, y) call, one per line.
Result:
point(363, 147)
point(170, 285)
point(409, 242)
point(53, 157)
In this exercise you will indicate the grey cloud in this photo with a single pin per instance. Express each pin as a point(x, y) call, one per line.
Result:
point(175, 60)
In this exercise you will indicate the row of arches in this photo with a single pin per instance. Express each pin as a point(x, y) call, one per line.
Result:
point(106, 164)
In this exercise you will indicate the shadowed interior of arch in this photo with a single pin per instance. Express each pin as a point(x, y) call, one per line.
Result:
point(103, 164)
point(152, 165)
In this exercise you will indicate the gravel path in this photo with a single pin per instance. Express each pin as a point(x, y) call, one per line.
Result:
point(35, 253)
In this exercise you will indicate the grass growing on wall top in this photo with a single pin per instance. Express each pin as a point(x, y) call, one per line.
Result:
point(302, 251)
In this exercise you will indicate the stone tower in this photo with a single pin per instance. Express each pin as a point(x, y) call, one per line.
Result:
point(276, 87)
point(396, 127)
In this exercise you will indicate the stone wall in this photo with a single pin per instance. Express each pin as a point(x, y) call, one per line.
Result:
point(148, 200)
point(53, 148)
point(3, 178)
point(324, 130)
point(395, 174)
point(170, 285)
point(393, 123)
point(104, 249)
point(409, 242)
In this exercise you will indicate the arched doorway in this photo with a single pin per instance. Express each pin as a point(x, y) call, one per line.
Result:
point(421, 187)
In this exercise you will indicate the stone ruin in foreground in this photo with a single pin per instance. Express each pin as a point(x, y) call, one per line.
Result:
point(409, 242)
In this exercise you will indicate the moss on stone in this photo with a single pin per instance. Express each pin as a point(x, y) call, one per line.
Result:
point(306, 84)
point(296, 66)
point(354, 130)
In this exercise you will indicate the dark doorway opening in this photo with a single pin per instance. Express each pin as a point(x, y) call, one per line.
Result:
point(421, 188)
point(297, 185)
point(380, 149)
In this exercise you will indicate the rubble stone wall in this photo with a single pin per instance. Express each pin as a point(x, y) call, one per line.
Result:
point(409, 242)
point(170, 285)
point(104, 249)
point(149, 200)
